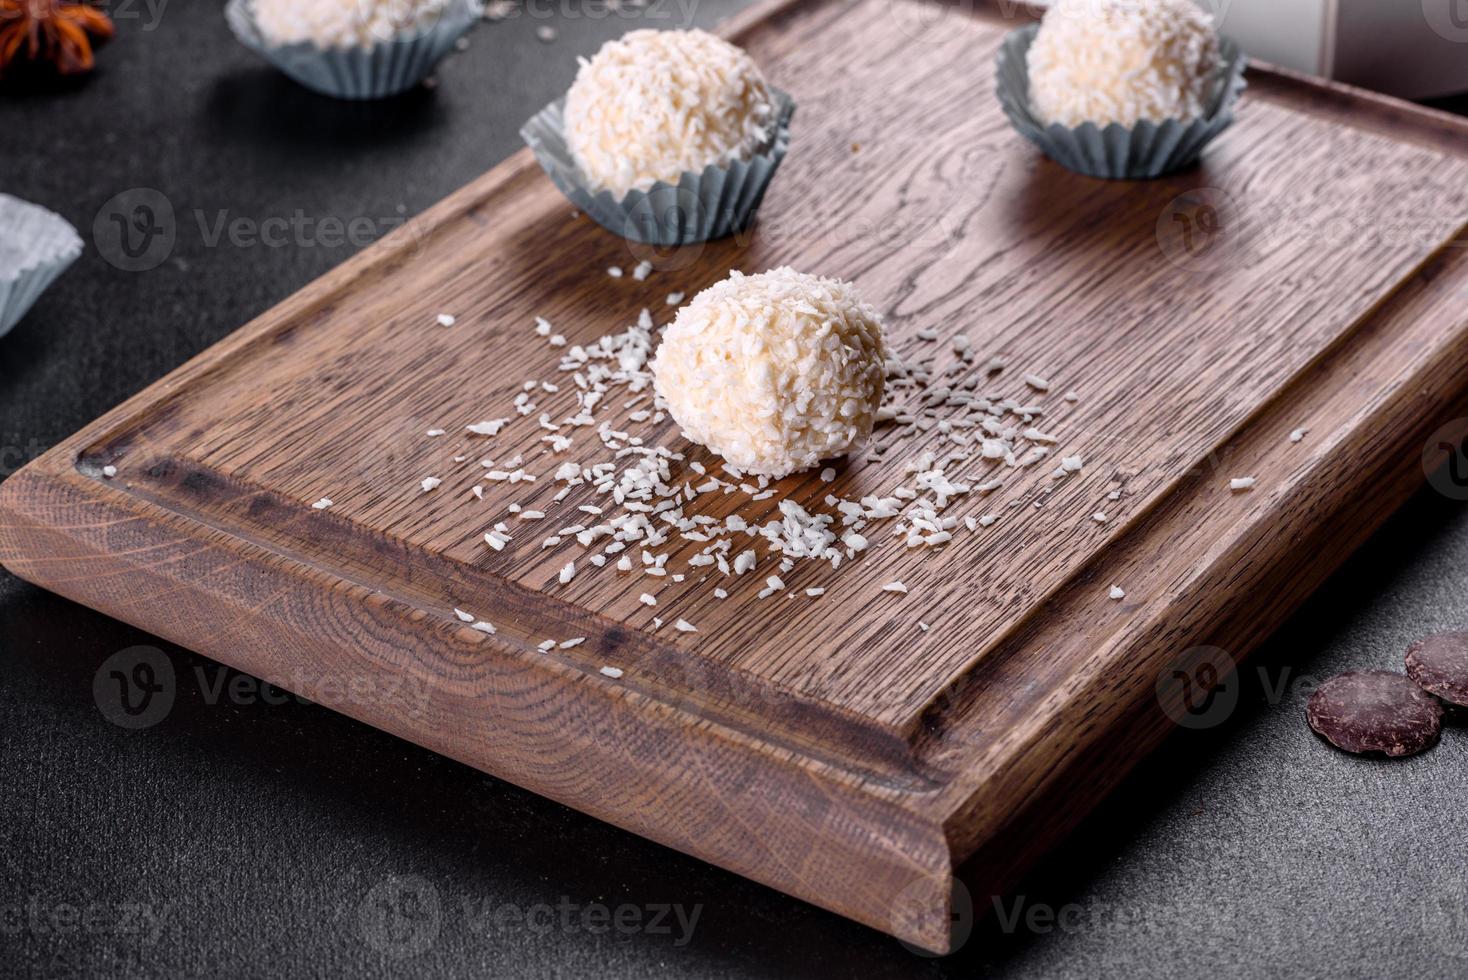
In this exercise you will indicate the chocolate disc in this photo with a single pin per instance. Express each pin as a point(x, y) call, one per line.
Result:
point(1375, 711)
point(1439, 665)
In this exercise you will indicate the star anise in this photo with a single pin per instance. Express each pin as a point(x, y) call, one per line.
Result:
point(48, 32)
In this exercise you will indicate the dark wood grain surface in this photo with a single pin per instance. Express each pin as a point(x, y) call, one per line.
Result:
point(828, 746)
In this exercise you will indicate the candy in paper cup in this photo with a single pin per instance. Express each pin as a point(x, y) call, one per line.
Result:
point(1119, 152)
point(387, 67)
point(719, 201)
point(36, 246)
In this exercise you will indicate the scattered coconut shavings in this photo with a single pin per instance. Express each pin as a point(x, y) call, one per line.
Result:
point(445, 320)
point(642, 270)
point(647, 599)
point(923, 626)
point(483, 627)
point(463, 616)
point(612, 672)
point(684, 626)
point(321, 504)
point(490, 428)
point(1298, 434)
point(1117, 592)
point(1241, 483)
point(546, 645)
point(109, 471)
point(642, 499)
point(434, 433)
point(1036, 382)
point(431, 483)
point(575, 641)
point(615, 271)
point(545, 33)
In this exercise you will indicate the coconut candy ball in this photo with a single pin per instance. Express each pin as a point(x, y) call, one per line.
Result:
point(342, 23)
point(654, 104)
point(1122, 61)
point(774, 372)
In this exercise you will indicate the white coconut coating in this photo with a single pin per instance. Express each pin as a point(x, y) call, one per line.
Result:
point(343, 23)
point(654, 104)
point(774, 372)
point(1122, 61)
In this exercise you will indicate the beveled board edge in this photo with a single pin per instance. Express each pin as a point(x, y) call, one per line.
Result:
point(882, 858)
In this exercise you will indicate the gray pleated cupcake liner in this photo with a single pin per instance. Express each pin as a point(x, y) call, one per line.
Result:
point(386, 68)
point(36, 246)
point(718, 202)
point(1117, 152)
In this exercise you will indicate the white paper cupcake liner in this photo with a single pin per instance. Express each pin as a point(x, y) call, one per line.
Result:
point(386, 68)
point(36, 246)
point(1117, 152)
point(700, 207)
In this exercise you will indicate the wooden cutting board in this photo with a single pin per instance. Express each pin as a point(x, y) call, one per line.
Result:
point(1305, 277)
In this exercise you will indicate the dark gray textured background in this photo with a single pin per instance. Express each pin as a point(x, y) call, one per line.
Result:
point(265, 838)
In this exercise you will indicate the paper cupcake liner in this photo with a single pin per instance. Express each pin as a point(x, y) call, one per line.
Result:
point(700, 207)
point(1117, 152)
point(36, 246)
point(386, 68)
